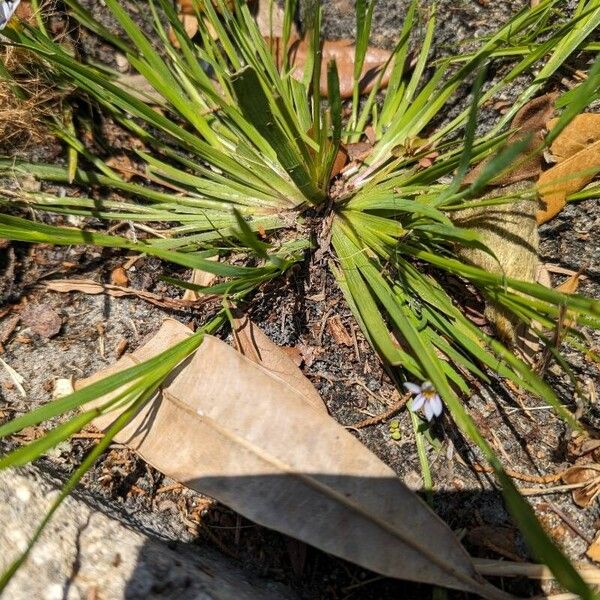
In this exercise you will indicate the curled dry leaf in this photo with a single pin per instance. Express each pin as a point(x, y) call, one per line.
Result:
point(565, 178)
point(88, 286)
point(589, 477)
point(580, 133)
point(255, 345)
point(225, 426)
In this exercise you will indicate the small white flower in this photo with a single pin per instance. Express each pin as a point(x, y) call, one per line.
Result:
point(426, 398)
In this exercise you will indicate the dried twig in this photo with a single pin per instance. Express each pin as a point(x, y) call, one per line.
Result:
point(551, 478)
point(393, 409)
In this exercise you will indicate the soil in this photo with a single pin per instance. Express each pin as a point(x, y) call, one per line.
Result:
point(93, 330)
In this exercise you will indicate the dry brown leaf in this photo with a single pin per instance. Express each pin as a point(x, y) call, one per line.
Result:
point(190, 26)
point(499, 539)
point(226, 427)
point(565, 178)
point(123, 165)
point(269, 18)
point(588, 476)
point(139, 87)
point(341, 160)
point(119, 277)
point(580, 133)
point(338, 331)
point(570, 285)
point(342, 52)
point(88, 286)
point(530, 120)
point(593, 550)
point(203, 278)
point(187, 6)
point(255, 345)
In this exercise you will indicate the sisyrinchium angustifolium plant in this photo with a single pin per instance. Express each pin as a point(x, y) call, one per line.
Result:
point(234, 145)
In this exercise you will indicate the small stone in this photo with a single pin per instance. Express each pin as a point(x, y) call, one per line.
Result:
point(42, 319)
point(122, 62)
point(62, 387)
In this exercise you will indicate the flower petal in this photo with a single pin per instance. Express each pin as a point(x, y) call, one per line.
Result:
point(428, 410)
point(413, 388)
point(417, 402)
point(436, 405)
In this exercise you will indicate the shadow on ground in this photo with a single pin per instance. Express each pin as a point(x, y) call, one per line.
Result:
point(302, 571)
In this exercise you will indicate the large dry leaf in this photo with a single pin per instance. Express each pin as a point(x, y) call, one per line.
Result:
point(226, 427)
point(567, 177)
point(255, 345)
point(580, 133)
point(530, 121)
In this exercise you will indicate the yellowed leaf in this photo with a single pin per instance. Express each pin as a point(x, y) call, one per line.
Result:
point(227, 427)
point(565, 178)
point(570, 285)
point(593, 550)
point(580, 133)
